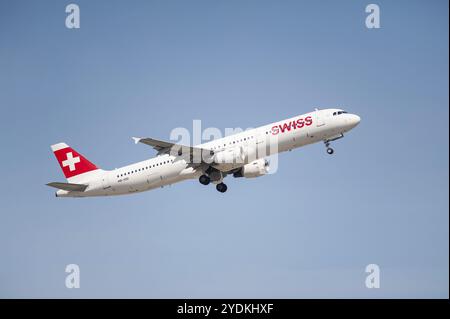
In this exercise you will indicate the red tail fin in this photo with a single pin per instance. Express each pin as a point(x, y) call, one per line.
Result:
point(72, 163)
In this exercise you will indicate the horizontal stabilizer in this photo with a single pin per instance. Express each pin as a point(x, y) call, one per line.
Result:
point(68, 186)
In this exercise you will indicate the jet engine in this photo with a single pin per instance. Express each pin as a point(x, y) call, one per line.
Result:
point(254, 169)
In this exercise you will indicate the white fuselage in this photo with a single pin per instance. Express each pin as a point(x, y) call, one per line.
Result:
point(167, 169)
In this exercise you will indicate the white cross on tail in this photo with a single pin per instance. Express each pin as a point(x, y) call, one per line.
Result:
point(70, 161)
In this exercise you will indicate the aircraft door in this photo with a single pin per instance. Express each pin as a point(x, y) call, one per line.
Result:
point(106, 184)
point(262, 145)
point(319, 119)
point(318, 122)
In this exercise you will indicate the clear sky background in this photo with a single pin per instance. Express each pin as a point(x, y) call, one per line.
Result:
point(142, 68)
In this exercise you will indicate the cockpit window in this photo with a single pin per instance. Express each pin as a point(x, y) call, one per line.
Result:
point(339, 113)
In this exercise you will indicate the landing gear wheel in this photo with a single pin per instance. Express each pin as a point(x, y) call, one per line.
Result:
point(330, 150)
point(221, 187)
point(204, 180)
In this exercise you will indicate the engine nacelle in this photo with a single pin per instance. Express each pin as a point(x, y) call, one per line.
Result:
point(230, 156)
point(254, 169)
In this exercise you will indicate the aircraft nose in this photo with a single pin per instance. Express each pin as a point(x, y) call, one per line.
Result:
point(354, 120)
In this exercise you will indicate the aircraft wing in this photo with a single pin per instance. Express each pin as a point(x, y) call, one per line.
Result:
point(163, 147)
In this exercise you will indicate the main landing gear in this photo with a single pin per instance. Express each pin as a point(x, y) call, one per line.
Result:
point(221, 187)
point(206, 180)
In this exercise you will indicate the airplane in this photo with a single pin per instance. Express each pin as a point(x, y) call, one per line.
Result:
point(242, 155)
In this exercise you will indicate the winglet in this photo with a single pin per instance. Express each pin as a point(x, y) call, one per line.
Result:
point(136, 140)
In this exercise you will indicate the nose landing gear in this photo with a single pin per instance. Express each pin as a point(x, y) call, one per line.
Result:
point(329, 149)
point(331, 139)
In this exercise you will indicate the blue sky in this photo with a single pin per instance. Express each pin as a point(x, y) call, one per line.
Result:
point(142, 68)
